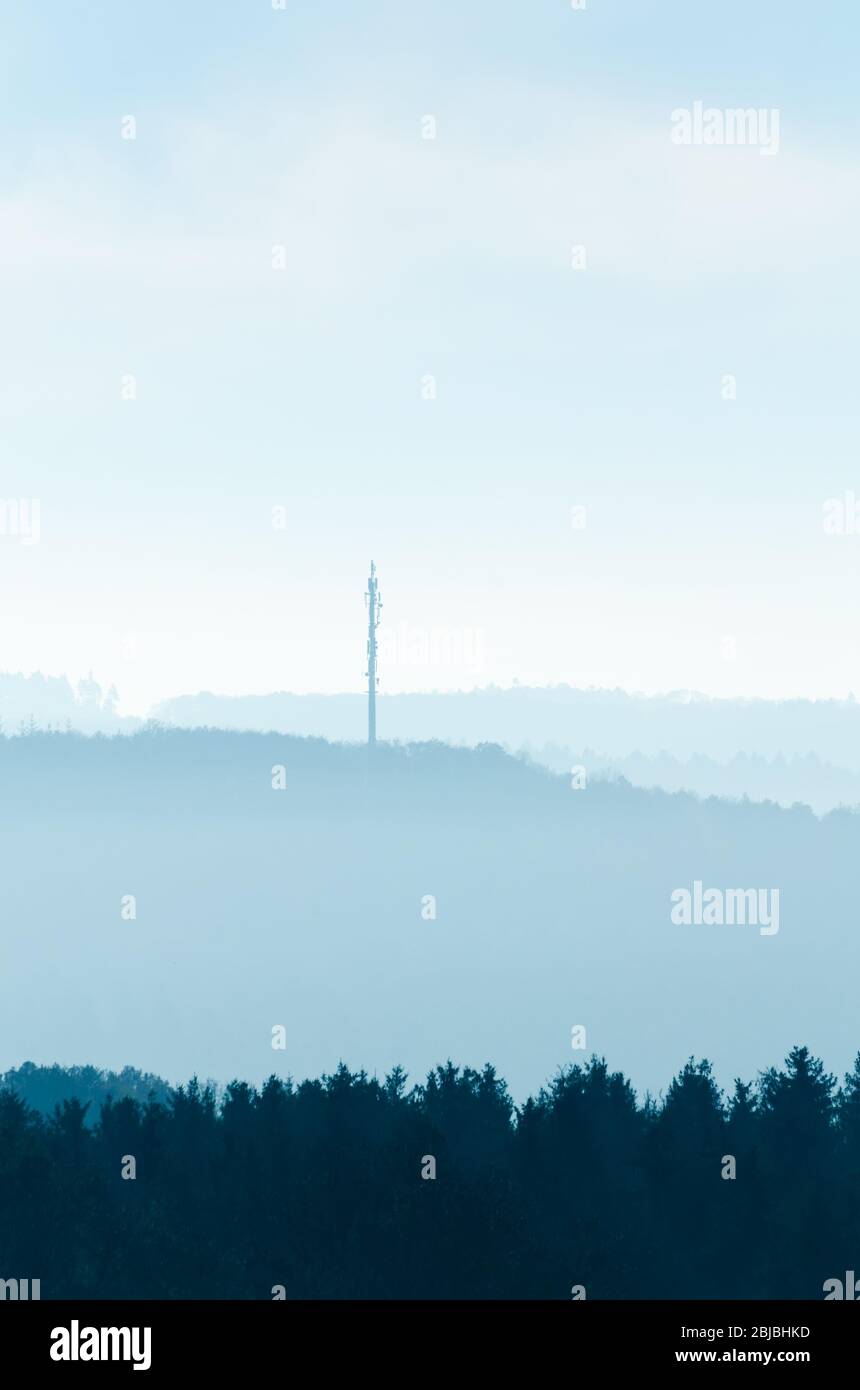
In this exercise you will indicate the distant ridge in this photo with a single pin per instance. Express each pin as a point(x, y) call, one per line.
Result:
point(681, 723)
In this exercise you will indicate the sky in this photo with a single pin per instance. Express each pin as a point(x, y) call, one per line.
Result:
point(280, 332)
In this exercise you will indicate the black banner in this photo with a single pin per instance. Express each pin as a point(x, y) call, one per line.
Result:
point(221, 1338)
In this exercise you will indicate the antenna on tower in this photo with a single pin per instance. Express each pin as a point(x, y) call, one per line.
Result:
point(373, 601)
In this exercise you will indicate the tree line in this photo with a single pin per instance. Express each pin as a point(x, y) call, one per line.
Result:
point(352, 1187)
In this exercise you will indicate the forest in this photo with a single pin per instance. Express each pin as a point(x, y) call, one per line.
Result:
point(352, 1187)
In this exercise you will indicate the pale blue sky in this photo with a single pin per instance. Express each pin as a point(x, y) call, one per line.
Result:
point(703, 563)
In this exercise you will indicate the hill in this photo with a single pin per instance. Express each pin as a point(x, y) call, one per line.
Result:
point(164, 902)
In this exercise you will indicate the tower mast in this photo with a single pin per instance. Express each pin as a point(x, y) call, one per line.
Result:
point(374, 606)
